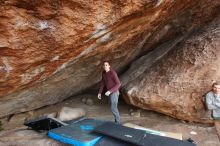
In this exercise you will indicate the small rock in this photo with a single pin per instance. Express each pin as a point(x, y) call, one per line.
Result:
point(193, 133)
point(84, 99)
point(131, 110)
point(51, 115)
point(183, 121)
point(89, 101)
point(135, 114)
point(67, 113)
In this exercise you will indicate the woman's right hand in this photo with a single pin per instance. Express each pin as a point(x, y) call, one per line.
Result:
point(99, 96)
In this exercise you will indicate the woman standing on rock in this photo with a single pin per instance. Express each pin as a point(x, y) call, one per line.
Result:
point(112, 84)
point(213, 100)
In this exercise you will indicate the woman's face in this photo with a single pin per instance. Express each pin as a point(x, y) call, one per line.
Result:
point(216, 89)
point(106, 66)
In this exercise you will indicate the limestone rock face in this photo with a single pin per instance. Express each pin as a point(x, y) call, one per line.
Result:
point(174, 83)
point(52, 49)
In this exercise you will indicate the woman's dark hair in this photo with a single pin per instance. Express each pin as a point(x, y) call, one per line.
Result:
point(215, 83)
point(105, 61)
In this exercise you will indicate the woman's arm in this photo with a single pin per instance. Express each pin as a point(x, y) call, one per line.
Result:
point(102, 85)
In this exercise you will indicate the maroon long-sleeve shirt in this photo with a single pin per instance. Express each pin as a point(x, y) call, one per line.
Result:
point(110, 81)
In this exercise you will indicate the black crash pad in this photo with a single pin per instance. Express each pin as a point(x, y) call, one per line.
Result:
point(109, 141)
point(155, 140)
point(137, 137)
point(44, 123)
point(121, 132)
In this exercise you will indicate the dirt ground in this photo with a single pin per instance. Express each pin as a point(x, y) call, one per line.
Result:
point(203, 135)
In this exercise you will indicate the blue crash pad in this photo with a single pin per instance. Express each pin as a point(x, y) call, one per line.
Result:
point(78, 133)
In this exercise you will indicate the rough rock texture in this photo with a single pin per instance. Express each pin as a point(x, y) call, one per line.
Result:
point(217, 126)
point(52, 49)
point(24, 137)
point(174, 85)
point(68, 113)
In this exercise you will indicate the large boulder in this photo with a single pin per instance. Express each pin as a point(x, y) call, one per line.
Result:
point(174, 81)
point(52, 49)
